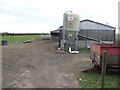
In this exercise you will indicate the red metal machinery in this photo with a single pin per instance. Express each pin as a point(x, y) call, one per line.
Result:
point(113, 59)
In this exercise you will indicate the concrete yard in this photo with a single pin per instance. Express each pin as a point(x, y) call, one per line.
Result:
point(39, 64)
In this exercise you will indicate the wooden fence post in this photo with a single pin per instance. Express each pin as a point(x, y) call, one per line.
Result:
point(103, 72)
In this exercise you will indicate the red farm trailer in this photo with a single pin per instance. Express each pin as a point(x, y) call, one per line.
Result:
point(113, 59)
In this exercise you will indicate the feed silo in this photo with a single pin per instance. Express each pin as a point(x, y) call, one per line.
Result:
point(70, 30)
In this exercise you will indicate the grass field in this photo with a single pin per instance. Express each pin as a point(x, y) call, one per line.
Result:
point(84, 49)
point(93, 79)
point(118, 38)
point(20, 38)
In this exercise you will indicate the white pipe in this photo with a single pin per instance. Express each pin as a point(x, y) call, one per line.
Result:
point(72, 51)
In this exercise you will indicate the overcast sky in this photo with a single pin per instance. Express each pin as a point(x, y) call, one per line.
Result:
point(43, 16)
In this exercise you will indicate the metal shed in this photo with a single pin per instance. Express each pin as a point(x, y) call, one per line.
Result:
point(55, 34)
point(97, 30)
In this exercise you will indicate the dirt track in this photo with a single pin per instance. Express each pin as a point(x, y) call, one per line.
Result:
point(40, 65)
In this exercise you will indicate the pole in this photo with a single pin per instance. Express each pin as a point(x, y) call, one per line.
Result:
point(76, 46)
point(103, 72)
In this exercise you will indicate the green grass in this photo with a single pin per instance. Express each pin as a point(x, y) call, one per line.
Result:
point(20, 38)
point(84, 49)
point(117, 38)
point(92, 80)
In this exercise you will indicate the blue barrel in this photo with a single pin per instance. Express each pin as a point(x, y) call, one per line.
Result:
point(4, 42)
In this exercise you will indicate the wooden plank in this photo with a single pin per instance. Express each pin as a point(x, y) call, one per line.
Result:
point(103, 72)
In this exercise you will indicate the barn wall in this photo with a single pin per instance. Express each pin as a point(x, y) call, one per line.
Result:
point(104, 35)
point(85, 43)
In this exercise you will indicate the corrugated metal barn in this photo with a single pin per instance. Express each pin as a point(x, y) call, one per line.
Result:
point(97, 30)
point(91, 29)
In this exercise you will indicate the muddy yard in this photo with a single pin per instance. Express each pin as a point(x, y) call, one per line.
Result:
point(39, 64)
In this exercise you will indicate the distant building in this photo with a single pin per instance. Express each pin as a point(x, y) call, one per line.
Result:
point(55, 33)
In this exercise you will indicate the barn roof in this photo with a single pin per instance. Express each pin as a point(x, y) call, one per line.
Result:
point(58, 30)
point(97, 23)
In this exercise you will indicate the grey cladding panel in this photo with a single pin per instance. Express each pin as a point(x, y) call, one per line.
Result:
point(105, 35)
